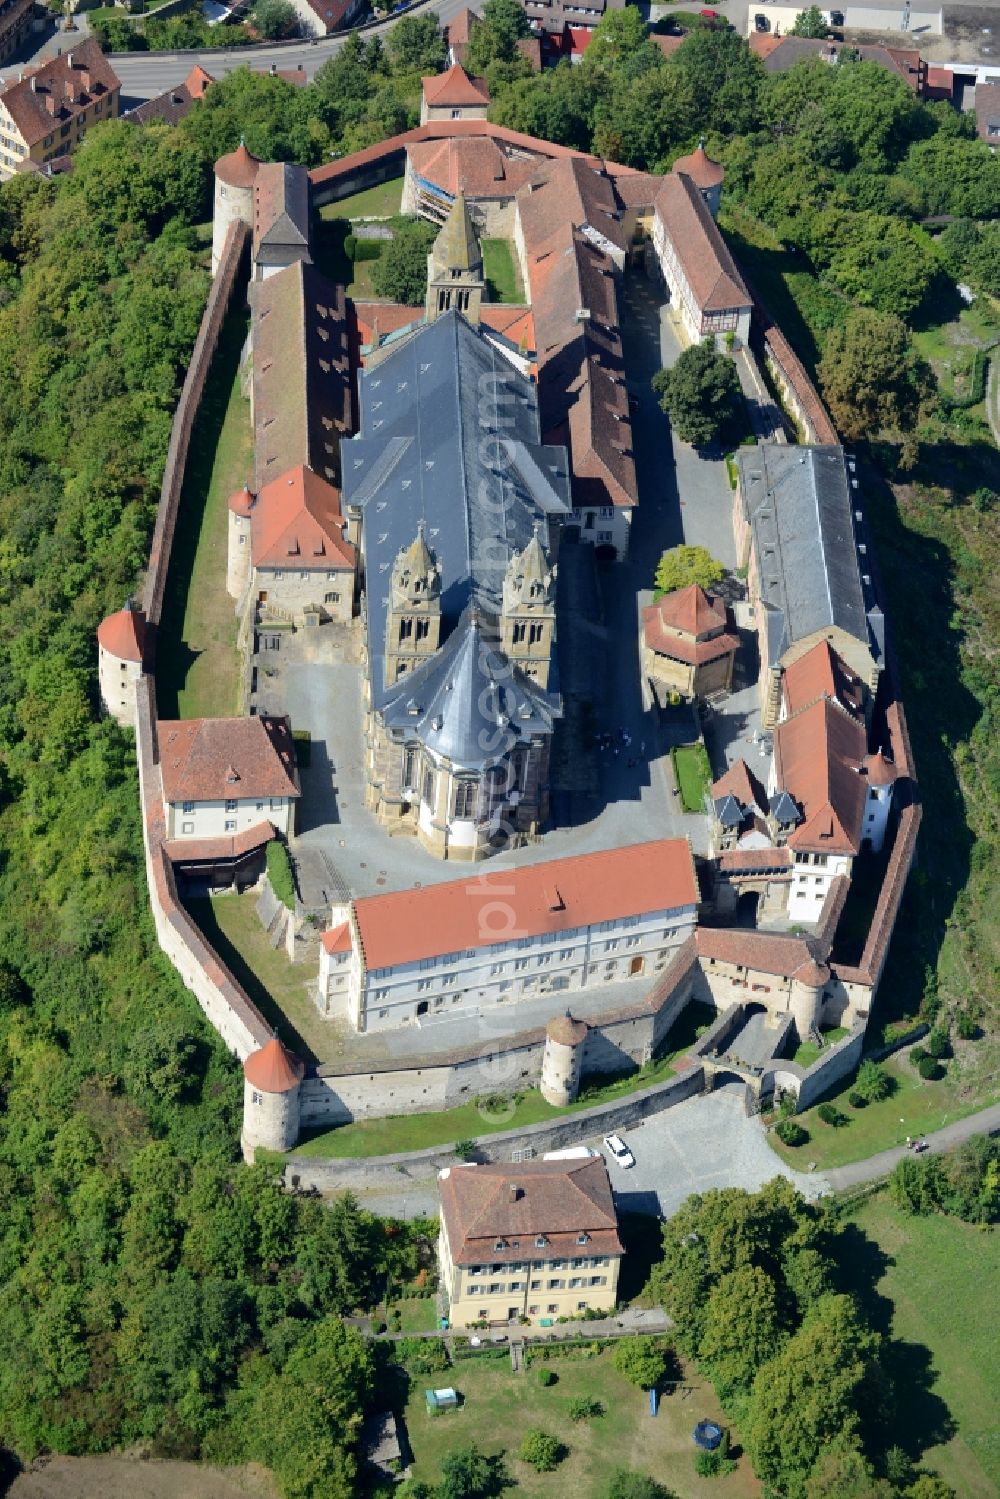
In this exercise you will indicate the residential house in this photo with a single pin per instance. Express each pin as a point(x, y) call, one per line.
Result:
point(780, 53)
point(320, 17)
point(988, 113)
point(556, 17)
point(48, 111)
point(453, 95)
point(226, 779)
point(458, 33)
point(170, 107)
point(537, 1240)
point(552, 928)
point(799, 525)
point(288, 556)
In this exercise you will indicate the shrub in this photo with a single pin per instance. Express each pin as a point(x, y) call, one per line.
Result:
point(917, 1054)
point(541, 1451)
point(279, 872)
point(938, 1044)
point(585, 1408)
point(465, 1149)
point(857, 1100)
point(873, 1082)
point(786, 1105)
point(350, 245)
point(715, 1464)
point(547, 1377)
point(791, 1133)
point(966, 1026)
point(930, 1069)
point(366, 249)
point(831, 1115)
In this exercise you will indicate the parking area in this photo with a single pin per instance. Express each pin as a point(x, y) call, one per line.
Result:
point(706, 1142)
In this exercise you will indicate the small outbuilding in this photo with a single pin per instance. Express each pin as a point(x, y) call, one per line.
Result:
point(441, 1400)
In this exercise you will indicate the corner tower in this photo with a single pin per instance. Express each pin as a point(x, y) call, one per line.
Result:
point(413, 621)
point(455, 266)
point(235, 177)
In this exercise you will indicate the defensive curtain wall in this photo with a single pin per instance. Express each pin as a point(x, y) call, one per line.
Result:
point(332, 1094)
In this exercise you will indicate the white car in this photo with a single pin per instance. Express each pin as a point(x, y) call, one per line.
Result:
point(617, 1147)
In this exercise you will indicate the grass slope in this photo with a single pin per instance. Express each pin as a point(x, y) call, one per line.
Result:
point(380, 202)
point(197, 665)
point(938, 1274)
point(499, 267)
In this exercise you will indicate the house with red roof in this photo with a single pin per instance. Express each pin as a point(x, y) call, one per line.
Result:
point(705, 287)
point(228, 784)
point(552, 928)
point(289, 557)
point(45, 113)
point(453, 95)
point(689, 643)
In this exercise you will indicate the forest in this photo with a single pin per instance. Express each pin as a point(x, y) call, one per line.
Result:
point(152, 1288)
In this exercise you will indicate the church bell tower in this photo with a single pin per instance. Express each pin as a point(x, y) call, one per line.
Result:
point(455, 266)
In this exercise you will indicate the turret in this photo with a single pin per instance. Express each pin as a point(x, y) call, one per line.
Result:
point(881, 776)
point(806, 996)
point(121, 641)
point(238, 561)
point(562, 1059)
point(272, 1079)
point(235, 176)
point(455, 277)
point(706, 174)
point(413, 620)
point(528, 620)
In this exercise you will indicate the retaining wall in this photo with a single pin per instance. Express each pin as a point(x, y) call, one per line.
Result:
point(329, 1174)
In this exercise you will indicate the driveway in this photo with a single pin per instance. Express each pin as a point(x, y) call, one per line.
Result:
point(703, 1143)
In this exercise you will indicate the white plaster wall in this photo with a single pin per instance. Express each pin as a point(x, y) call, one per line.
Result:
point(211, 819)
point(117, 681)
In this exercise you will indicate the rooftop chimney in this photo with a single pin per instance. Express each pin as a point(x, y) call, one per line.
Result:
point(51, 104)
point(34, 84)
point(514, 1192)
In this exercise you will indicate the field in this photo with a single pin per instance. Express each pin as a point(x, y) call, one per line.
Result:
point(197, 666)
point(125, 1477)
point(500, 269)
point(693, 774)
point(374, 203)
point(937, 1273)
point(916, 1108)
point(500, 1406)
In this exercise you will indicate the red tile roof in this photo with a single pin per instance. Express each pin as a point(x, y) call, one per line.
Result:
point(821, 673)
point(668, 45)
point(811, 973)
point(239, 168)
point(692, 610)
point(454, 89)
point(766, 952)
point(879, 770)
point(517, 324)
point(818, 756)
point(476, 165)
point(702, 252)
point(692, 613)
point(699, 166)
point(558, 896)
point(42, 102)
point(517, 1205)
point(273, 1069)
point(568, 191)
point(460, 27)
point(201, 850)
point(338, 938)
point(220, 759)
point(740, 781)
point(296, 523)
point(756, 860)
point(123, 634)
point(566, 1031)
point(988, 111)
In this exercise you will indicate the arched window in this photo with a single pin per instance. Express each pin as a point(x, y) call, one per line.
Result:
point(466, 799)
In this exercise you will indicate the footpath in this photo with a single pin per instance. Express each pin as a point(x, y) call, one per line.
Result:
point(857, 1173)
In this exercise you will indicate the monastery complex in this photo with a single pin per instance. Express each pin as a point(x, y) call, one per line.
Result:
point(419, 474)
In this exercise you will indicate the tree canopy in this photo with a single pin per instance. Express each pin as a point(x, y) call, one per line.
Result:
point(683, 565)
point(871, 376)
point(701, 394)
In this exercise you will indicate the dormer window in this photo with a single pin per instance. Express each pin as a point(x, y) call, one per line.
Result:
point(541, 1241)
point(583, 1238)
point(498, 1245)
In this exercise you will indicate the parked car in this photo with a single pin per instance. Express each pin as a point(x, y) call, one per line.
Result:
point(616, 1147)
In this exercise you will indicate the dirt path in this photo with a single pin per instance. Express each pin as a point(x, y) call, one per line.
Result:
point(132, 1478)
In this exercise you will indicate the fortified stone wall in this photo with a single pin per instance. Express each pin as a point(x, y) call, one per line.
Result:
point(330, 1174)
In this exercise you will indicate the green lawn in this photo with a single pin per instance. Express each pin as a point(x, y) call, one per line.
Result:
point(277, 987)
point(811, 1051)
point(938, 1274)
point(503, 284)
point(469, 1120)
point(916, 1108)
point(380, 202)
point(197, 665)
point(498, 1407)
point(694, 775)
point(416, 1313)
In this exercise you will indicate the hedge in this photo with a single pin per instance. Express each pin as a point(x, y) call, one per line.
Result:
point(279, 872)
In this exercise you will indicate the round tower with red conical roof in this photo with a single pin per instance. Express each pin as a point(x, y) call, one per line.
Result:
point(706, 174)
point(238, 560)
point(235, 176)
point(272, 1083)
point(120, 642)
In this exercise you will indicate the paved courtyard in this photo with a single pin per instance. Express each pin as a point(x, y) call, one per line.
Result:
point(703, 1143)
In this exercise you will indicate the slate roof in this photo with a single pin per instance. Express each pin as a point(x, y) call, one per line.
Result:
point(449, 436)
point(554, 1202)
point(282, 213)
point(703, 254)
point(561, 895)
point(217, 759)
point(800, 503)
point(69, 84)
point(301, 372)
point(296, 523)
point(818, 758)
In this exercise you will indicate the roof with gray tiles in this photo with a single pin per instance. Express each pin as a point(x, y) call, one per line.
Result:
point(450, 436)
point(804, 507)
